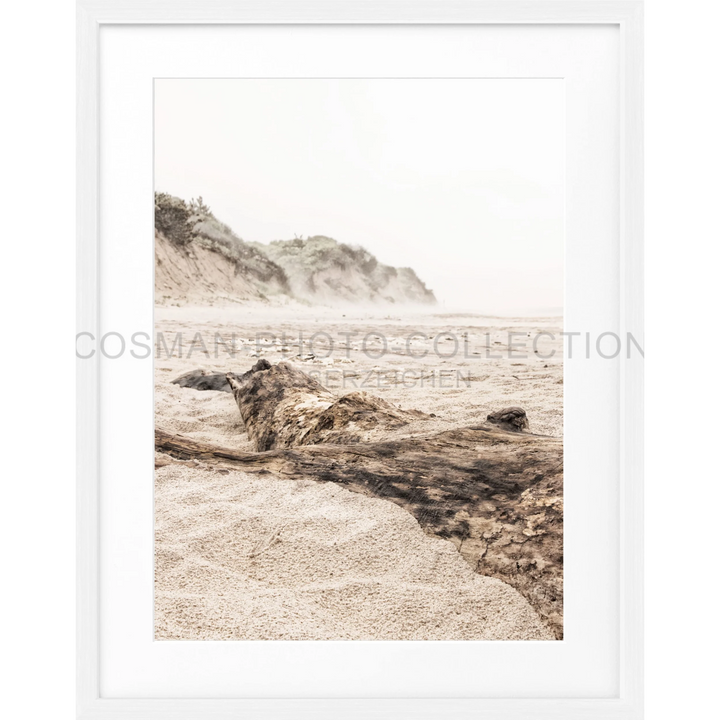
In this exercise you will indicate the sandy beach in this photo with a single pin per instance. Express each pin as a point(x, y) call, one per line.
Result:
point(248, 558)
point(242, 556)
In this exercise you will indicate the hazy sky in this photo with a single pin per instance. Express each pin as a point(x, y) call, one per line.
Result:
point(462, 180)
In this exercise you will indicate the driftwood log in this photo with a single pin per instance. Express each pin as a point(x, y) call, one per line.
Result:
point(493, 490)
point(284, 407)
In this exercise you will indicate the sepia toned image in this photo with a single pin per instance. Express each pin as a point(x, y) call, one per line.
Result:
point(359, 359)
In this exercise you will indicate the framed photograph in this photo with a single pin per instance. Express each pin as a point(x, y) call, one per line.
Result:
point(360, 347)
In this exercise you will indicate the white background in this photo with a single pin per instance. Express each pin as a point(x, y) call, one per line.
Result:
point(131, 664)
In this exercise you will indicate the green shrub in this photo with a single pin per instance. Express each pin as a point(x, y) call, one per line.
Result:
point(172, 218)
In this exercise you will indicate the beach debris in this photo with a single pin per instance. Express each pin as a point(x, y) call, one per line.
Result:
point(203, 380)
point(511, 418)
point(266, 543)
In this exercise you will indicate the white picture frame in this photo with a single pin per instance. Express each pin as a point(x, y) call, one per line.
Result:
point(627, 14)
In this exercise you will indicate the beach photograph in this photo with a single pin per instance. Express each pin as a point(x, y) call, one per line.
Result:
point(359, 290)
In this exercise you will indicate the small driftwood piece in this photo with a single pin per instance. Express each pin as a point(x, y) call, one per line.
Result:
point(512, 418)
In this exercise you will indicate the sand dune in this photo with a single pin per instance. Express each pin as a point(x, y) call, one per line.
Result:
point(199, 259)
